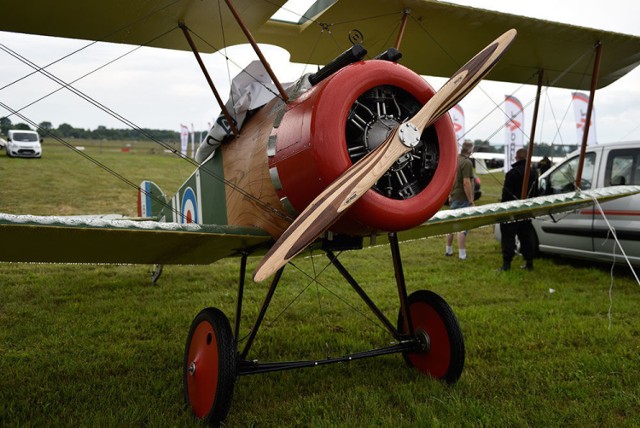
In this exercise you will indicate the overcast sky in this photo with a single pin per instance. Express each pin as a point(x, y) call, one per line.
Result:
point(157, 88)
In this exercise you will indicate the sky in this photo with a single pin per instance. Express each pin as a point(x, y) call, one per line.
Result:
point(161, 89)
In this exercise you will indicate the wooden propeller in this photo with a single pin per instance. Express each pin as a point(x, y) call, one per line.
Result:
point(327, 208)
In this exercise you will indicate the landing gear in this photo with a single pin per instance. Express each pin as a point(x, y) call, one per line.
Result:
point(441, 351)
point(427, 335)
point(209, 366)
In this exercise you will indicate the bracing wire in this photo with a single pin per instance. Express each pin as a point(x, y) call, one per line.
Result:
point(88, 157)
point(613, 233)
point(142, 131)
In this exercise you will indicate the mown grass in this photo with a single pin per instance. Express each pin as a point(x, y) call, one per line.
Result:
point(99, 346)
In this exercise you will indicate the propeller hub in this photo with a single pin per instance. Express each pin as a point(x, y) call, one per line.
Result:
point(409, 134)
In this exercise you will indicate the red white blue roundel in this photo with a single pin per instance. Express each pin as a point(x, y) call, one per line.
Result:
point(188, 207)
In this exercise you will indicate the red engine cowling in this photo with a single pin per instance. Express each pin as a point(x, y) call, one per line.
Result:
point(332, 125)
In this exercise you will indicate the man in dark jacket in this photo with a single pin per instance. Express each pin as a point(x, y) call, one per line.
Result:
point(523, 229)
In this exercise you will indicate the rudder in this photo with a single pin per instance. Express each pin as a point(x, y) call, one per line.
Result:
point(151, 200)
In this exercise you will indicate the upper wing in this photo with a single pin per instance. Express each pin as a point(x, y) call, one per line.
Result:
point(439, 36)
point(449, 221)
point(27, 238)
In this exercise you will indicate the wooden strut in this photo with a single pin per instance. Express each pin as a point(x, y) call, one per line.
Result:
point(527, 169)
point(403, 25)
point(225, 112)
point(257, 50)
point(587, 123)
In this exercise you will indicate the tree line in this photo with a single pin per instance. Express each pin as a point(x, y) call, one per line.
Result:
point(100, 133)
point(539, 149)
point(103, 133)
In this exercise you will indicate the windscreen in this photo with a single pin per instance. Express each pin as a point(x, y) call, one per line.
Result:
point(25, 136)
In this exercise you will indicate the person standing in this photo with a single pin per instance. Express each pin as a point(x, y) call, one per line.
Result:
point(512, 190)
point(461, 196)
point(544, 165)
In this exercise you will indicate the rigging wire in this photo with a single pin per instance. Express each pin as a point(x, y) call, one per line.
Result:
point(104, 37)
point(545, 92)
point(130, 124)
point(88, 157)
point(142, 131)
point(229, 60)
point(613, 234)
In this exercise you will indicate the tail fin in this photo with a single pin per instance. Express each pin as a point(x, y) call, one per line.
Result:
point(151, 200)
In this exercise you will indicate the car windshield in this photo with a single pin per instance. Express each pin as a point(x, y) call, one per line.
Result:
point(564, 177)
point(25, 136)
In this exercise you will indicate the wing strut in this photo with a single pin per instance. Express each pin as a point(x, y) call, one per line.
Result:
point(534, 122)
point(253, 43)
point(227, 116)
point(592, 94)
point(403, 25)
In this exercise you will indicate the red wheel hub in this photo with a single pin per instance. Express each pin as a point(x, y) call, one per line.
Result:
point(435, 361)
point(202, 381)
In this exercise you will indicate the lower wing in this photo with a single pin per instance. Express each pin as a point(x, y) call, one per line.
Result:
point(52, 239)
point(48, 239)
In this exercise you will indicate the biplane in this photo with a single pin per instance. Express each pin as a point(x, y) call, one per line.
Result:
point(360, 153)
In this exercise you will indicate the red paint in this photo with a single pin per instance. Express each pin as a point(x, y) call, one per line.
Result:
point(202, 386)
point(436, 362)
point(611, 212)
point(311, 149)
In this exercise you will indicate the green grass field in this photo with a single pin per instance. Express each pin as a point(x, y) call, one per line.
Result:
point(95, 345)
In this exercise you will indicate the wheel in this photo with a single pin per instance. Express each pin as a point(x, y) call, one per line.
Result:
point(437, 329)
point(209, 366)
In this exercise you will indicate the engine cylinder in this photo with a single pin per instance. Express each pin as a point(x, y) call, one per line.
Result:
point(332, 125)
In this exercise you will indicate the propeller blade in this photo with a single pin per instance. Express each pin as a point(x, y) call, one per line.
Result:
point(327, 208)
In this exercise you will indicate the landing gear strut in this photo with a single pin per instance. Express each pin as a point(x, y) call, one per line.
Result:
point(427, 335)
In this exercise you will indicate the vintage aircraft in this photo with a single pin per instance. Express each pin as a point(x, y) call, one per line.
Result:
point(360, 153)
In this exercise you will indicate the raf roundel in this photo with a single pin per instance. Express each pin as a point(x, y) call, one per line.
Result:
point(188, 207)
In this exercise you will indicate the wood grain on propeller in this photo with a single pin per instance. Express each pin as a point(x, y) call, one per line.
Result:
point(327, 208)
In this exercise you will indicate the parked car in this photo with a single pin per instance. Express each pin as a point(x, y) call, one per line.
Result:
point(584, 233)
point(22, 143)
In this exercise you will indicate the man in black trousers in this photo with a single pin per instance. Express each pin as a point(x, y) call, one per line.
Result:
point(523, 229)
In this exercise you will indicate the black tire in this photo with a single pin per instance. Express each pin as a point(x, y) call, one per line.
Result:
point(209, 366)
point(433, 319)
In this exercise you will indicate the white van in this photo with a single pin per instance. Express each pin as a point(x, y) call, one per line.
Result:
point(22, 143)
point(584, 233)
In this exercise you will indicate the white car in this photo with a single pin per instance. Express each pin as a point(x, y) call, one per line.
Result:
point(21, 143)
point(584, 233)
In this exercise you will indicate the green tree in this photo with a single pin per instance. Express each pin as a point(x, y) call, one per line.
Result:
point(46, 126)
point(65, 129)
point(5, 125)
